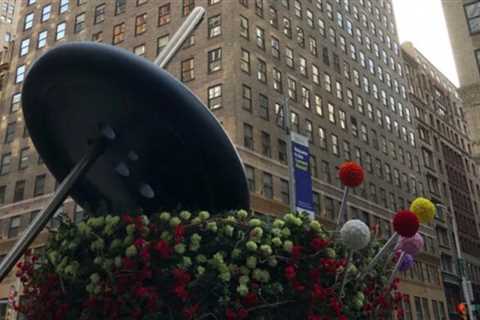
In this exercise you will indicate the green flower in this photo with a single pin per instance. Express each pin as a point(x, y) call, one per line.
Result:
point(242, 214)
point(278, 223)
point(277, 242)
point(175, 221)
point(196, 220)
point(315, 225)
point(118, 261)
point(236, 253)
point(244, 279)
point(95, 278)
point(251, 246)
point(242, 290)
point(200, 270)
point(288, 245)
point(201, 258)
point(180, 248)
point(212, 226)
point(165, 216)
point(131, 251)
point(266, 249)
point(330, 252)
point(251, 262)
point(185, 215)
point(229, 231)
point(225, 276)
point(256, 233)
point(97, 245)
point(255, 222)
point(195, 237)
point(130, 229)
point(286, 232)
point(272, 261)
point(204, 215)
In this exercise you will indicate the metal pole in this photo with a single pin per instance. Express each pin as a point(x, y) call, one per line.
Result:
point(343, 208)
point(461, 262)
point(187, 27)
point(42, 219)
point(291, 172)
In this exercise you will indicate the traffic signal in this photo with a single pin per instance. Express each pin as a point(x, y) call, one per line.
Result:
point(462, 311)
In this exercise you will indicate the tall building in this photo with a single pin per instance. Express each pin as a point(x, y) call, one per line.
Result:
point(8, 22)
point(337, 62)
point(452, 176)
point(463, 21)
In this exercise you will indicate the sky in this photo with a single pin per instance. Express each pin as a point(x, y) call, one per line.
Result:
point(422, 22)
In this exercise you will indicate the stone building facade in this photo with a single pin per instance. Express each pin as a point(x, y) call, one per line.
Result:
point(337, 61)
point(449, 168)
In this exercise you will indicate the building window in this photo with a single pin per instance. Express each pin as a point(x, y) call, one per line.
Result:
point(263, 107)
point(285, 191)
point(30, 2)
point(212, 2)
point(10, 132)
point(120, 6)
point(19, 191)
point(275, 48)
point(5, 163)
point(39, 186)
point(140, 24)
point(266, 145)
point(214, 26)
point(23, 162)
point(24, 47)
point(164, 14)
point(15, 102)
point(260, 38)
point(63, 7)
point(162, 42)
point(187, 7)
point(267, 185)
point(118, 33)
point(245, 61)
point(79, 23)
point(60, 32)
point(306, 98)
point(20, 74)
point(287, 27)
point(246, 98)
point(248, 136)
point(42, 39)
point(81, 2)
point(97, 36)
point(139, 50)
point(472, 12)
point(99, 13)
point(46, 11)
point(188, 70)
point(250, 173)
point(14, 227)
point(28, 22)
point(277, 79)
point(244, 28)
point(292, 89)
point(282, 151)
point(261, 70)
point(140, 2)
point(215, 60)
point(215, 97)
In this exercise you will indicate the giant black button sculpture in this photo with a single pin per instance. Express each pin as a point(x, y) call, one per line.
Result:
point(123, 134)
point(169, 151)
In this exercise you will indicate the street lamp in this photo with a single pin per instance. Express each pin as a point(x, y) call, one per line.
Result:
point(461, 262)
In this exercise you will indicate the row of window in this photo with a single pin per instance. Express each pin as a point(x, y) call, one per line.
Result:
point(19, 189)
point(422, 309)
point(369, 191)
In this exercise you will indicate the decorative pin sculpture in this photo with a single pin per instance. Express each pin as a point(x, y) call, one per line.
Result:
point(355, 235)
point(123, 134)
point(351, 175)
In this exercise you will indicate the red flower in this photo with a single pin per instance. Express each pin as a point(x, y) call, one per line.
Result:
point(190, 312)
point(163, 249)
point(230, 314)
point(296, 252)
point(314, 317)
point(351, 174)
point(298, 286)
point(181, 292)
point(290, 272)
point(128, 263)
point(250, 299)
point(127, 219)
point(179, 233)
point(181, 276)
point(242, 313)
point(406, 223)
point(318, 244)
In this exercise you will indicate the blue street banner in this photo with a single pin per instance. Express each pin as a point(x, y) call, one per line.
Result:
point(302, 178)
